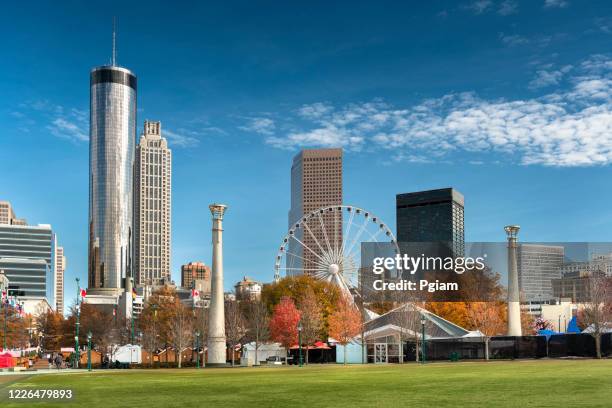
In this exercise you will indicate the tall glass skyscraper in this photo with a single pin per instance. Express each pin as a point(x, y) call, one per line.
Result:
point(111, 161)
point(434, 216)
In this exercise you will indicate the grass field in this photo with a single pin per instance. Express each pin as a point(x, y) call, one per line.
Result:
point(554, 383)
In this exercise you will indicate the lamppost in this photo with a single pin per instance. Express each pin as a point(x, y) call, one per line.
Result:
point(5, 307)
point(424, 346)
point(132, 322)
point(197, 333)
point(89, 351)
point(4, 300)
point(299, 328)
point(78, 323)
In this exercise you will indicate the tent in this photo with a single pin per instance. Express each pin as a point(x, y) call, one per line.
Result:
point(572, 326)
point(7, 360)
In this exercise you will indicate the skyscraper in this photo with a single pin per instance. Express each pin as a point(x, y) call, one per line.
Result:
point(111, 162)
point(538, 265)
point(60, 267)
point(26, 254)
point(432, 216)
point(152, 201)
point(6, 213)
point(316, 181)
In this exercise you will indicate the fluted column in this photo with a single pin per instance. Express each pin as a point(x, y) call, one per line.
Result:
point(514, 305)
point(216, 311)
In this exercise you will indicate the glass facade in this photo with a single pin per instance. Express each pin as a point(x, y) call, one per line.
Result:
point(538, 265)
point(432, 216)
point(111, 161)
point(26, 256)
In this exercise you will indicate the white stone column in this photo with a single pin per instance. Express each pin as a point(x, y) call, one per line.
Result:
point(216, 311)
point(514, 305)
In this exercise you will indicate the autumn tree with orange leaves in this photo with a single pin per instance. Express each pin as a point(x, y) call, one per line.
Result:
point(284, 322)
point(344, 323)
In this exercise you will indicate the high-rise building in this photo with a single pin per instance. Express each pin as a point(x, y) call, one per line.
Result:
point(60, 267)
point(6, 213)
point(111, 170)
point(195, 271)
point(152, 201)
point(26, 254)
point(316, 181)
point(434, 216)
point(538, 265)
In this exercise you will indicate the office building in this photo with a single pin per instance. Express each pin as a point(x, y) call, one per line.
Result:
point(195, 271)
point(538, 265)
point(111, 170)
point(60, 267)
point(26, 257)
point(316, 181)
point(433, 216)
point(152, 200)
point(6, 213)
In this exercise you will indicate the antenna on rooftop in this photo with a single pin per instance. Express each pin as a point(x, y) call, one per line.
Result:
point(114, 38)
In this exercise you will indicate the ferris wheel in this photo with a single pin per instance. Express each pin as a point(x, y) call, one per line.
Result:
point(327, 244)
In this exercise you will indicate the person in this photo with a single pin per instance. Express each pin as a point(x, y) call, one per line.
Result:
point(58, 361)
point(50, 360)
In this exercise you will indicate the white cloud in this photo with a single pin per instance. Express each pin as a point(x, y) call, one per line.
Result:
point(479, 6)
point(546, 77)
point(555, 3)
point(570, 127)
point(263, 126)
point(513, 40)
point(68, 129)
point(507, 7)
point(181, 138)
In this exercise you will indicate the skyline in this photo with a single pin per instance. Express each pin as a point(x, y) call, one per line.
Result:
point(233, 114)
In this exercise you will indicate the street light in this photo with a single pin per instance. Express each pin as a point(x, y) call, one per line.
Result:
point(300, 328)
point(197, 333)
point(78, 313)
point(424, 346)
point(89, 351)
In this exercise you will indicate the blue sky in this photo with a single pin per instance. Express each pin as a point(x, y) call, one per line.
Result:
point(507, 101)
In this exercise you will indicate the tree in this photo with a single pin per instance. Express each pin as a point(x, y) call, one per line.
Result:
point(283, 325)
point(258, 320)
point(344, 323)
point(597, 313)
point(156, 319)
point(51, 325)
point(201, 325)
point(182, 329)
point(235, 325)
point(311, 319)
point(407, 317)
point(488, 318)
point(326, 293)
point(16, 327)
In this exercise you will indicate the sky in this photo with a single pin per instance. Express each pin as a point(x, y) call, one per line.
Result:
point(507, 101)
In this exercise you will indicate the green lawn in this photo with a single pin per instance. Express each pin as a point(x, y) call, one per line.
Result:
point(582, 383)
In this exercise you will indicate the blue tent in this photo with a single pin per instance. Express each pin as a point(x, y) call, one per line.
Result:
point(572, 326)
point(547, 333)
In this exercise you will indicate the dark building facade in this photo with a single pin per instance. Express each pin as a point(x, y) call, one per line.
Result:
point(435, 216)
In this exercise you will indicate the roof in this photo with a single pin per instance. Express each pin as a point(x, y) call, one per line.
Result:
point(391, 322)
